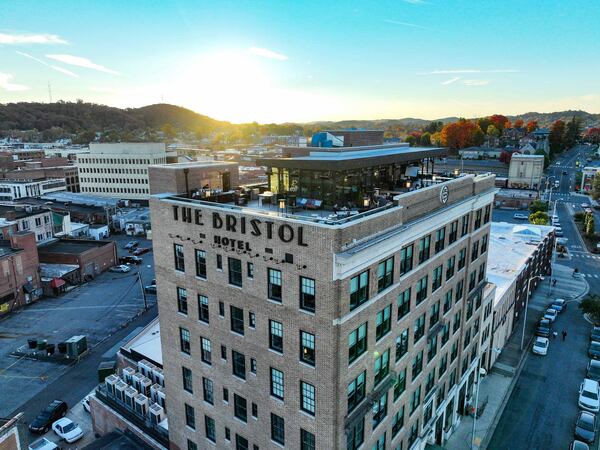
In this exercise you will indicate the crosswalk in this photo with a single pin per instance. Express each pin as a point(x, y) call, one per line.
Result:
point(590, 275)
point(583, 255)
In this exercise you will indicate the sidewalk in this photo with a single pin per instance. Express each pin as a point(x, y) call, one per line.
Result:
point(497, 386)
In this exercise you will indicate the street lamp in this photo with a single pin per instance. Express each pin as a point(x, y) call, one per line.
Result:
point(481, 373)
point(526, 305)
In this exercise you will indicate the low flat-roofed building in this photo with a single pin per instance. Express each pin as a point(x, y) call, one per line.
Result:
point(525, 171)
point(515, 198)
point(11, 190)
point(182, 177)
point(516, 253)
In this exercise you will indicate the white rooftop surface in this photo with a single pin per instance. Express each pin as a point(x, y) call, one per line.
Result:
point(360, 154)
point(510, 247)
point(147, 342)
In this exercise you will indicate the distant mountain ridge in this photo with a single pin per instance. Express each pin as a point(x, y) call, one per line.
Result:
point(77, 117)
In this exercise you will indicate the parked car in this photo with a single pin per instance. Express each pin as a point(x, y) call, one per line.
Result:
point(559, 304)
point(585, 427)
point(578, 445)
point(131, 245)
point(555, 218)
point(593, 370)
point(559, 233)
point(43, 444)
point(595, 334)
point(551, 314)
point(130, 260)
point(565, 172)
point(150, 289)
point(557, 227)
point(594, 350)
point(520, 216)
point(589, 396)
point(540, 346)
point(86, 404)
point(543, 328)
point(141, 251)
point(45, 419)
point(121, 269)
point(68, 430)
point(588, 210)
point(585, 205)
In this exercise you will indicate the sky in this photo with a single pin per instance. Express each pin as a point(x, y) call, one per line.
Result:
point(301, 61)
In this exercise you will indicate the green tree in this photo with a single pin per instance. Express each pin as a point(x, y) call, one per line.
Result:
point(591, 306)
point(596, 187)
point(538, 218)
point(168, 131)
point(538, 205)
point(589, 224)
point(556, 137)
point(85, 137)
point(412, 140)
point(477, 137)
point(572, 132)
point(426, 139)
point(491, 130)
point(484, 123)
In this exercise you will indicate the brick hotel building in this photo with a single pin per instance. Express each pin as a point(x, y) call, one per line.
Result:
point(339, 309)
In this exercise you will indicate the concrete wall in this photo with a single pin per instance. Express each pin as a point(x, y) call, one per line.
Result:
point(171, 178)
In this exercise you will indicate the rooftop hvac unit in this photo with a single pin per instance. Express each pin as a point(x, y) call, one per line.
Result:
point(145, 384)
point(146, 368)
point(161, 398)
point(156, 413)
point(141, 404)
point(136, 379)
point(130, 394)
point(120, 390)
point(110, 382)
point(76, 346)
point(127, 375)
point(158, 376)
point(153, 392)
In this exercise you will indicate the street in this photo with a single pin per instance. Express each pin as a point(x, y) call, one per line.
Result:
point(106, 310)
point(542, 409)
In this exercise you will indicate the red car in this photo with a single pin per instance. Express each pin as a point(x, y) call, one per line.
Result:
point(140, 251)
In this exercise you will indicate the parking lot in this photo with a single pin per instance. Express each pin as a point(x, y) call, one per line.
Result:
point(97, 309)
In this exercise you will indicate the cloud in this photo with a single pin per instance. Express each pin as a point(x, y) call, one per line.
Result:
point(450, 81)
point(58, 69)
point(406, 24)
point(7, 85)
point(266, 53)
point(475, 82)
point(458, 71)
point(80, 61)
point(16, 39)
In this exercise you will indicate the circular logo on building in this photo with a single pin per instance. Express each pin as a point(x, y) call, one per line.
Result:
point(444, 194)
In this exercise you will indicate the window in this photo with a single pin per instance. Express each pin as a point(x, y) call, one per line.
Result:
point(250, 269)
point(379, 410)
point(359, 289)
point(205, 350)
point(184, 340)
point(382, 367)
point(398, 422)
point(240, 408)
point(251, 320)
point(356, 436)
point(464, 226)
point(417, 365)
point(219, 262)
point(237, 319)
point(422, 289)
point(255, 410)
point(431, 347)
point(459, 290)
point(415, 400)
point(448, 301)
point(190, 417)
point(276, 336)
point(424, 249)
point(436, 282)
point(277, 383)
point(201, 264)
point(434, 314)
point(456, 325)
point(235, 271)
point(462, 258)
point(307, 398)
point(182, 304)
point(472, 280)
point(379, 443)
point(385, 274)
point(226, 395)
point(179, 261)
point(467, 338)
point(207, 390)
point(274, 280)
point(453, 232)
point(239, 364)
point(400, 385)
point(402, 344)
point(187, 380)
point(484, 242)
point(404, 303)
point(223, 353)
point(419, 328)
point(210, 429)
point(481, 273)
point(450, 267)
point(477, 219)
point(253, 366)
point(406, 259)
point(357, 343)
point(191, 445)
point(383, 322)
point(307, 348)
point(277, 429)
point(241, 443)
point(307, 294)
point(475, 251)
point(307, 440)
point(440, 237)
point(203, 308)
point(486, 215)
point(221, 309)
point(356, 391)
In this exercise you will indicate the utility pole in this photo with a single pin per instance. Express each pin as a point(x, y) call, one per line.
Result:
point(50, 91)
point(142, 288)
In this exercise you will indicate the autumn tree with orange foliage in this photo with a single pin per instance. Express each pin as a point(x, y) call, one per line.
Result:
point(461, 134)
point(532, 125)
point(518, 123)
point(499, 121)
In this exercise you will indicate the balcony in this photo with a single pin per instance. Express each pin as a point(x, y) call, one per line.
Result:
point(363, 408)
